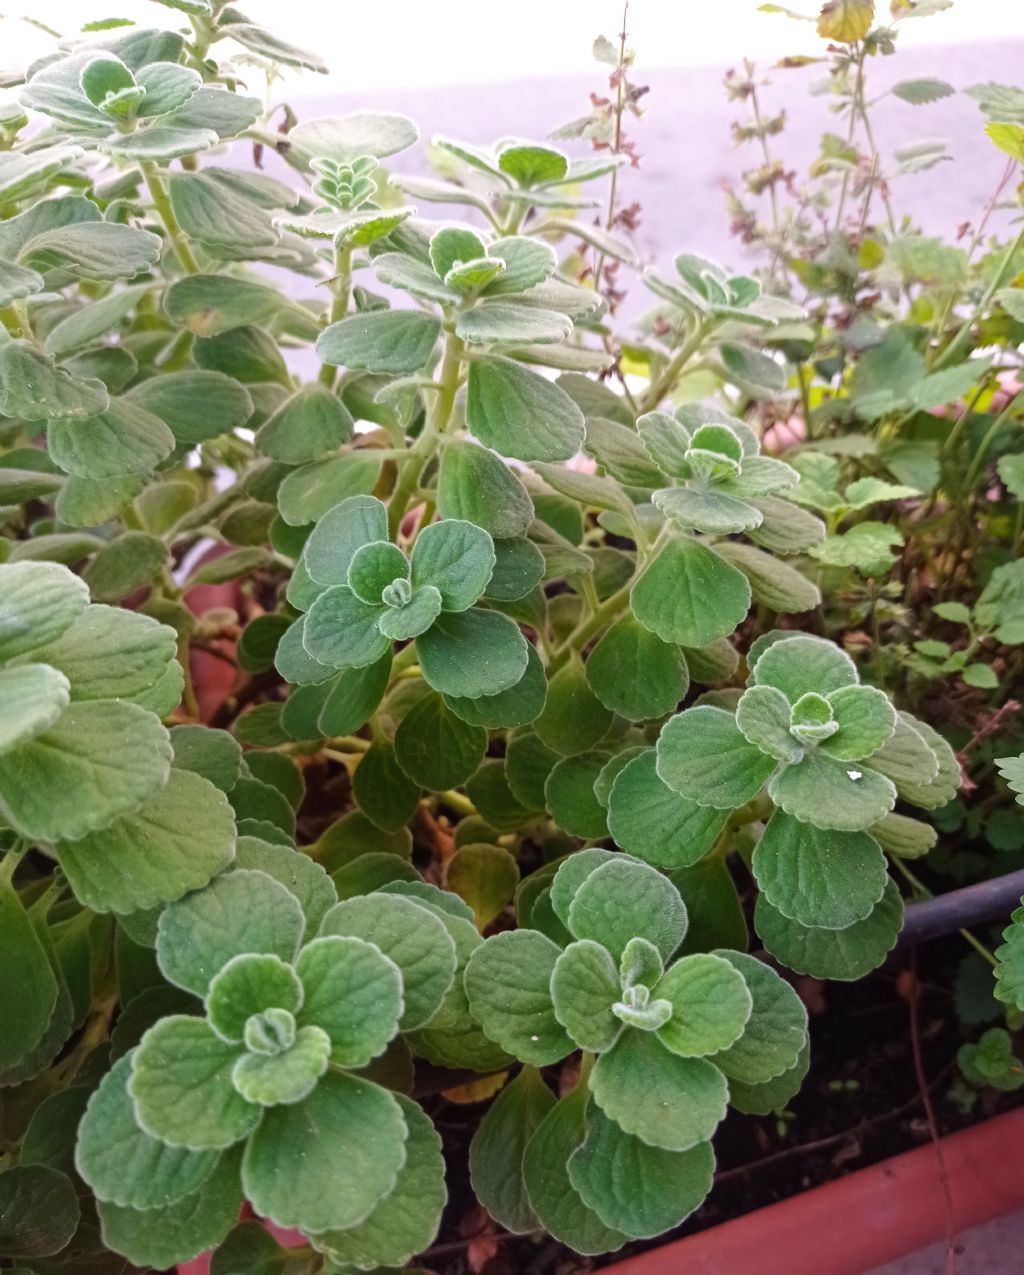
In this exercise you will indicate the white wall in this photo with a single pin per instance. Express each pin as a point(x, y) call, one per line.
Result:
point(415, 43)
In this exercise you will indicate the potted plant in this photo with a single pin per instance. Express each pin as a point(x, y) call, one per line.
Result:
point(539, 669)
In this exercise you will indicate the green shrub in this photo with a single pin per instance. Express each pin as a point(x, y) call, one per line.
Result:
point(532, 634)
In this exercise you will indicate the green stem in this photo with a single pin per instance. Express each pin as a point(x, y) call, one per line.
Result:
point(986, 442)
point(350, 744)
point(963, 336)
point(616, 146)
point(919, 887)
point(597, 619)
point(162, 204)
point(961, 421)
point(876, 166)
point(341, 286)
point(805, 399)
point(9, 863)
point(437, 423)
point(458, 801)
point(773, 196)
point(661, 386)
point(845, 187)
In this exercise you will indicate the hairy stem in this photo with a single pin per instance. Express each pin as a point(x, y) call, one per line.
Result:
point(162, 204)
point(341, 287)
point(424, 447)
point(670, 374)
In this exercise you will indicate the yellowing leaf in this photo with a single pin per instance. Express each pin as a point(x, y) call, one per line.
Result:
point(476, 1090)
point(785, 11)
point(846, 20)
point(1009, 138)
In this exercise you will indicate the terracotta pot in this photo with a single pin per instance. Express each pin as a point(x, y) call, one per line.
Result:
point(863, 1220)
point(213, 680)
point(287, 1239)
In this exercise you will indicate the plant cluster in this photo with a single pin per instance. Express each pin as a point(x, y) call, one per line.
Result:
point(546, 671)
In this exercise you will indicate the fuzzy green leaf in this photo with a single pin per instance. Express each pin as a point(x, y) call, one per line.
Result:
point(124, 439)
point(326, 1163)
point(796, 665)
point(209, 304)
point(111, 653)
point(623, 899)
point(703, 755)
point(182, 1088)
point(34, 696)
point(866, 720)
point(475, 484)
point(354, 992)
point(499, 1144)
point(176, 1232)
point(406, 1221)
point(34, 388)
point(412, 937)
point(555, 1202)
point(508, 984)
point(763, 717)
point(384, 793)
point(391, 341)
point(649, 820)
point(309, 425)
point(28, 983)
point(271, 1080)
point(456, 558)
point(635, 674)
point(249, 984)
point(100, 760)
point(689, 595)
point(343, 631)
point(153, 855)
point(636, 1188)
point(485, 877)
point(773, 583)
point(818, 877)
point(662, 1099)
point(240, 912)
point(584, 987)
point(125, 1166)
point(1009, 955)
point(472, 653)
point(38, 1212)
point(38, 603)
point(833, 794)
point(506, 405)
point(710, 1005)
point(846, 954)
point(776, 1032)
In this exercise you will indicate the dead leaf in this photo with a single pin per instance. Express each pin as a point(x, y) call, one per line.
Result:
point(477, 1227)
point(812, 992)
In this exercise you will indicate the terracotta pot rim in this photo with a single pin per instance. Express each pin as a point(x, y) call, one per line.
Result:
point(870, 1217)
